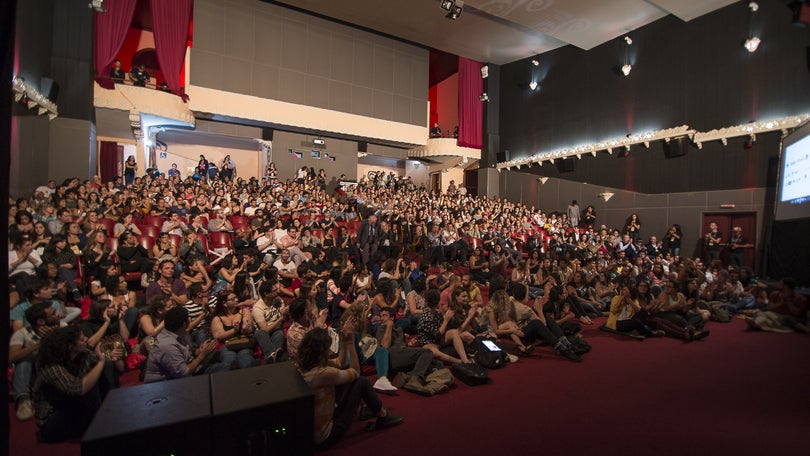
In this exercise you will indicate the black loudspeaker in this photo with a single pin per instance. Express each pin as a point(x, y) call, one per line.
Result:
point(165, 418)
point(676, 147)
point(566, 166)
point(49, 88)
point(265, 410)
point(267, 134)
point(362, 146)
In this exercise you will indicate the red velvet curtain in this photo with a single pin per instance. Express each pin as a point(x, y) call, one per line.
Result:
point(108, 159)
point(170, 21)
point(470, 108)
point(111, 29)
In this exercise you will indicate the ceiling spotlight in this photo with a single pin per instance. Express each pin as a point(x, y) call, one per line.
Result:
point(542, 179)
point(724, 141)
point(97, 5)
point(455, 11)
point(626, 67)
point(483, 97)
point(749, 143)
point(647, 144)
point(533, 85)
point(535, 62)
point(447, 5)
point(753, 6)
point(484, 71)
point(752, 44)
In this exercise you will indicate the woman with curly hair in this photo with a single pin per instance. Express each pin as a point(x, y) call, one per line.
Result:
point(338, 391)
point(70, 383)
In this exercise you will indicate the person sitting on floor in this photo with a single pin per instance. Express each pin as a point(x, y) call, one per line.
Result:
point(434, 333)
point(787, 311)
point(269, 314)
point(626, 314)
point(22, 351)
point(338, 391)
point(70, 383)
point(171, 357)
point(411, 360)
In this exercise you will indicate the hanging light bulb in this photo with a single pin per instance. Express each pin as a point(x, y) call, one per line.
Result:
point(533, 85)
point(626, 69)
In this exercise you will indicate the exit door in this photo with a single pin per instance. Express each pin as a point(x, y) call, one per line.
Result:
point(726, 221)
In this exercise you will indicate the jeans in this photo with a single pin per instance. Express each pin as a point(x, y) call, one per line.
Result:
point(380, 358)
point(269, 342)
point(744, 302)
point(634, 323)
point(347, 402)
point(536, 330)
point(417, 360)
point(68, 277)
point(243, 357)
point(690, 319)
point(200, 335)
point(23, 377)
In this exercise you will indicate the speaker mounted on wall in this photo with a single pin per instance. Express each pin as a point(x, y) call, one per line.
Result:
point(567, 165)
point(676, 147)
point(362, 146)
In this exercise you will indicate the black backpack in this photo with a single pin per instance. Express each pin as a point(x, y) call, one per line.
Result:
point(488, 354)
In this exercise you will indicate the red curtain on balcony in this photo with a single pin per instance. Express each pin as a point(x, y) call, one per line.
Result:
point(108, 159)
point(170, 23)
point(470, 109)
point(111, 29)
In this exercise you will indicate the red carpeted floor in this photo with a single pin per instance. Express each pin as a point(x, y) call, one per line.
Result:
point(737, 392)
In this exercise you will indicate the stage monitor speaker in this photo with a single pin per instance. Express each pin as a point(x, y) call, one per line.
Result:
point(567, 165)
point(262, 410)
point(164, 418)
point(676, 147)
point(49, 88)
point(362, 146)
point(267, 134)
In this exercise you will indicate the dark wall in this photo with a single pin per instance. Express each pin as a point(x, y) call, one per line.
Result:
point(268, 51)
point(72, 58)
point(7, 31)
point(694, 73)
point(29, 131)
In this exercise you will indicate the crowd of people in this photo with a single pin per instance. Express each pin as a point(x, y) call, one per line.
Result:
point(184, 276)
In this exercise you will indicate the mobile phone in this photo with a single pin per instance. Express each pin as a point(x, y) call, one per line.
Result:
point(491, 346)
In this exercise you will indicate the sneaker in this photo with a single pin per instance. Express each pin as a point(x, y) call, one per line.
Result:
point(273, 357)
point(389, 420)
point(570, 355)
point(384, 386)
point(25, 410)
